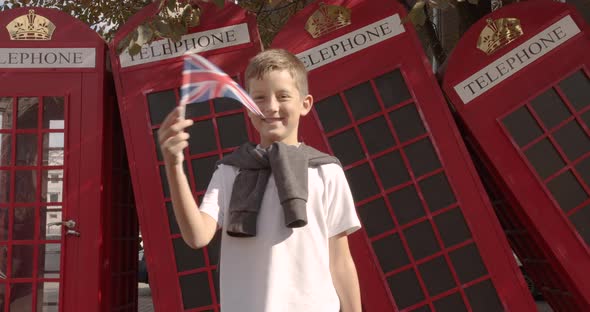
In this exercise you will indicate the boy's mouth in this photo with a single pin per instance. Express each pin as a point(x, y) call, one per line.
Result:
point(272, 119)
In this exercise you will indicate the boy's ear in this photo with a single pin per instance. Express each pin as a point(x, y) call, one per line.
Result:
point(307, 104)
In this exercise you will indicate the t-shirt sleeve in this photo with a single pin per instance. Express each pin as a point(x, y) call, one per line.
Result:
point(213, 201)
point(342, 215)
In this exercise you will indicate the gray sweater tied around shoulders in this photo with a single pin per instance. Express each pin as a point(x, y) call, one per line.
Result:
point(289, 165)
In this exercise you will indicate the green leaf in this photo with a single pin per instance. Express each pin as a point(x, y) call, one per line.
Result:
point(178, 30)
point(219, 3)
point(145, 34)
point(162, 28)
point(171, 5)
point(416, 15)
point(134, 49)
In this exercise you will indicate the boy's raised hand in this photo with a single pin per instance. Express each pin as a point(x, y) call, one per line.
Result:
point(172, 137)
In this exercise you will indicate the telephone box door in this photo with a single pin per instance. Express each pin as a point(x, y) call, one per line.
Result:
point(46, 240)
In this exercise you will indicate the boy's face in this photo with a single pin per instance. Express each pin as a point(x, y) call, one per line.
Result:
point(280, 101)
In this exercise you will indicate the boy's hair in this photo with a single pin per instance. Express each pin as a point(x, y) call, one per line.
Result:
point(277, 59)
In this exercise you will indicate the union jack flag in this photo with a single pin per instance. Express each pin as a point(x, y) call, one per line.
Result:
point(203, 81)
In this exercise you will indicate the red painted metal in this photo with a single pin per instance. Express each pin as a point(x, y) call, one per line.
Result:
point(85, 196)
point(404, 53)
point(539, 230)
point(134, 84)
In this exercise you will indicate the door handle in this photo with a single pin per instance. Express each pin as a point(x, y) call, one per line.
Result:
point(73, 233)
point(70, 224)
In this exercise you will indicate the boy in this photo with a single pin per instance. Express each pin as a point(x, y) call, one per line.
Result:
point(285, 209)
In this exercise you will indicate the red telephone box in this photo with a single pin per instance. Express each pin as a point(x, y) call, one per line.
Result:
point(182, 279)
point(429, 229)
point(519, 80)
point(57, 243)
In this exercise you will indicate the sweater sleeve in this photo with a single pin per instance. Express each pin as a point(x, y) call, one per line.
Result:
point(342, 216)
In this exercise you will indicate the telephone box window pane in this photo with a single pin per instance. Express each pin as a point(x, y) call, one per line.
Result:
point(2, 296)
point(198, 109)
point(174, 229)
point(49, 261)
point(550, 108)
point(467, 263)
point(407, 123)
point(377, 135)
point(195, 290)
point(25, 302)
point(391, 169)
point(452, 303)
point(390, 253)
point(362, 100)
point(586, 117)
point(28, 115)
point(48, 296)
point(437, 276)
point(186, 257)
point(53, 149)
point(346, 147)
point(5, 149)
point(332, 113)
point(405, 289)
point(5, 112)
point(577, 89)
point(48, 215)
point(164, 179)
point(392, 88)
point(437, 192)
point(362, 182)
point(226, 104)
point(581, 221)
point(24, 223)
point(376, 217)
point(25, 186)
point(583, 169)
point(214, 248)
point(232, 130)
point(424, 308)
point(51, 183)
point(202, 137)
point(544, 158)
point(160, 104)
point(567, 191)
point(22, 261)
point(421, 240)
point(522, 126)
point(157, 144)
point(422, 157)
point(4, 186)
point(3, 224)
point(573, 141)
point(452, 227)
point(53, 112)
point(203, 169)
point(26, 150)
point(483, 297)
point(406, 205)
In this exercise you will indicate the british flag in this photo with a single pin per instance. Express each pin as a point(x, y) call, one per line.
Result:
point(203, 81)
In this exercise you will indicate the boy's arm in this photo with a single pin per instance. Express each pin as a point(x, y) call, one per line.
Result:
point(344, 274)
point(197, 228)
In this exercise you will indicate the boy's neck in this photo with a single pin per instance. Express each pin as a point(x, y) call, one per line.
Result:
point(267, 145)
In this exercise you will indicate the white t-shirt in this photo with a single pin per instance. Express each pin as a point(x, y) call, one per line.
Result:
point(282, 269)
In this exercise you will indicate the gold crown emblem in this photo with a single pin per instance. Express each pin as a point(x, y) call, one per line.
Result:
point(498, 34)
point(30, 27)
point(326, 19)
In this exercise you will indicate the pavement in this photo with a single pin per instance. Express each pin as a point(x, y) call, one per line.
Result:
point(144, 294)
point(146, 305)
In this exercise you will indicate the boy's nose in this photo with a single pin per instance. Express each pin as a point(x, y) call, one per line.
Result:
point(272, 106)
